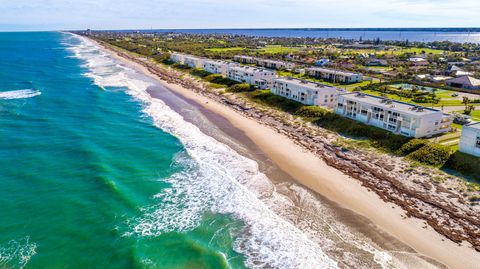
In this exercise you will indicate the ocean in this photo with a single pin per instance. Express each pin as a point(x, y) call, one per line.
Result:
point(94, 173)
point(398, 34)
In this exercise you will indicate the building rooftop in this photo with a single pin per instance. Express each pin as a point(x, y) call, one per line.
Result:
point(326, 70)
point(251, 69)
point(219, 62)
point(465, 80)
point(475, 125)
point(389, 104)
point(244, 56)
point(303, 83)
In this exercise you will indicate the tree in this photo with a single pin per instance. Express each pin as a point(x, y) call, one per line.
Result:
point(465, 101)
point(468, 109)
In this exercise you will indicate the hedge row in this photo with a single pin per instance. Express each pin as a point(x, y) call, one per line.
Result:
point(431, 154)
point(219, 79)
point(266, 97)
point(466, 164)
point(243, 87)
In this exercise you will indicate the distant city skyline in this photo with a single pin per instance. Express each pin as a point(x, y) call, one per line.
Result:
point(24, 15)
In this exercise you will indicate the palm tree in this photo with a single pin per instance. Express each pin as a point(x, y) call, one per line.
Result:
point(468, 109)
point(465, 101)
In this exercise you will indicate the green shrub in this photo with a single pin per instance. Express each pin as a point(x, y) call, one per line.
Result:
point(311, 112)
point(181, 66)
point(243, 87)
point(213, 77)
point(168, 62)
point(431, 154)
point(199, 73)
point(282, 103)
point(219, 79)
point(466, 164)
point(411, 146)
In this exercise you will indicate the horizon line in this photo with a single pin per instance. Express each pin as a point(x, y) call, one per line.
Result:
point(446, 29)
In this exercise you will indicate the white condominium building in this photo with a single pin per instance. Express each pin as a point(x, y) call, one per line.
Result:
point(273, 64)
point(333, 75)
point(305, 92)
point(267, 63)
point(217, 67)
point(177, 57)
point(193, 61)
point(260, 77)
point(470, 139)
point(244, 59)
point(398, 117)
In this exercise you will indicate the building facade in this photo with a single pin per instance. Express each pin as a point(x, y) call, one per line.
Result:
point(260, 77)
point(333, 75)
point(244, 59)
point(193, 61)
point(305, 92)
point(274, 64)
point(177, 57)
point(267, 63)
point(217, 67)
point(397, 117)
point(470, 139)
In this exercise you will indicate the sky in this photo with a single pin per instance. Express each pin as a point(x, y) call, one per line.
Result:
point(23, 15)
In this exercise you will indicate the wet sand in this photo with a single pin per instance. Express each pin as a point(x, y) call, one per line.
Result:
point(282, 160)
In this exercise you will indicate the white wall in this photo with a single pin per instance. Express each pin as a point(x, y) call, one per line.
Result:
point(468, 141)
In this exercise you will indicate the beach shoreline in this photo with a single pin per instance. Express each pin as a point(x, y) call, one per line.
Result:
point(314, 173)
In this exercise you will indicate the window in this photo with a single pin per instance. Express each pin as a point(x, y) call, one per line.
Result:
point(478, 142)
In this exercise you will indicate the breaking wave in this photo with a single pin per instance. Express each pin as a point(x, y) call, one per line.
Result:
point(214, 178)
point(17, 253)
point(19, 94)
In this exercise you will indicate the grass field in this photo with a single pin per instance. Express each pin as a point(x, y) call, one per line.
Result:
point(409, 100)
point(414, 50)
point(475, 115)
point(277, 49)
point(445, 95)
point(225, 49)
point(394, 51)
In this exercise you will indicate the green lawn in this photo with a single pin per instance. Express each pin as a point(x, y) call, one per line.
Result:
point(277, 49)
point(395, 51)
point(414, 50)
point(409, 100)
point(475, 115)
point(225, 49)
point(445, 95)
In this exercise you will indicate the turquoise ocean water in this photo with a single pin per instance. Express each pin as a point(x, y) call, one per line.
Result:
point(96, 174)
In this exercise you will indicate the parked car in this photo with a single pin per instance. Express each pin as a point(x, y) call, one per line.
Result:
point(461, 119)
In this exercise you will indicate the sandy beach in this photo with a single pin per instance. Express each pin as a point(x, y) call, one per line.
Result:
point(309, 170)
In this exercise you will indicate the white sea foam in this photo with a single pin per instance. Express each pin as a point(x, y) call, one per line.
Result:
point(215, 179)
point(17, 253)
point(19, 94)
